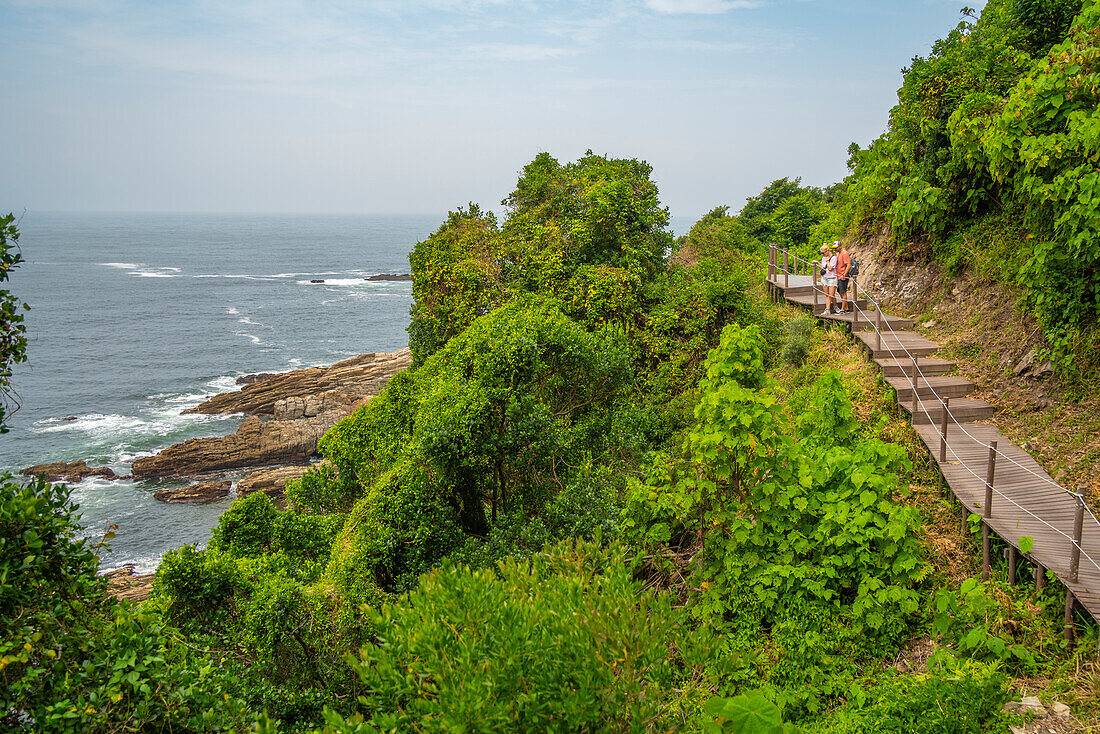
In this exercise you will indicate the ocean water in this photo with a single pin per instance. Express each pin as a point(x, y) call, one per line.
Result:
point(136, 317)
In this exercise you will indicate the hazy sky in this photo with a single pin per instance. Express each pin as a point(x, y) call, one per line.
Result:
point(403, 106)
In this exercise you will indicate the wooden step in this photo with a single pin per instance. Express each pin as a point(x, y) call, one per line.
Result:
point(945, 386)
point(928, 366)
point(807, 299)
point(963, 410)
point(889, 323)
point(898, 344)
point(867, 321)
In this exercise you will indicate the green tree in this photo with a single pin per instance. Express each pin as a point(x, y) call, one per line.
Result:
point(591, 233)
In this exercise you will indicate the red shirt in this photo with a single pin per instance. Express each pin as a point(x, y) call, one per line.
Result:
point(843, 263)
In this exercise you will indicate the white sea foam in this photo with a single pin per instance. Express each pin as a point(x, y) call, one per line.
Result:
point(150, 271)
point(237, 276)
point(249, 322)
point(231, 310)
point(338, 282)
point(225, 383)
point(255, 339)
point(93, 423)
point(123, 266)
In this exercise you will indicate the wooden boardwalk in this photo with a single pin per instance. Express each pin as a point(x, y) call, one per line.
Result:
point(1022, 500)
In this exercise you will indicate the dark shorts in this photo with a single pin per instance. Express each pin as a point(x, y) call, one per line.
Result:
point(842, 285)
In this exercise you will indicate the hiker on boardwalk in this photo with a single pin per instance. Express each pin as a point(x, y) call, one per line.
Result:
point(843, 265)
point(828, 277)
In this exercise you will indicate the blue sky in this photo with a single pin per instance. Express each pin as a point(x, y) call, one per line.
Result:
point(418, 106)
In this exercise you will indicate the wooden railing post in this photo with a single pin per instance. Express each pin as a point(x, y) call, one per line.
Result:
point(815, 289)
point(1078, 525)
point(855, 307)
point(987, 508)
point(1040, 577)
point(913, 382)
point(943, 430)
point(771, 261)
point(786, 270)
point(878, 328)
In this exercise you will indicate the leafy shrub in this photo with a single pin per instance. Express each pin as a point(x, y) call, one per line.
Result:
point(13, 342)
point(566, 641)
point(964, 618)
point(782, 521)
point(72, 659)
point(247, 527)
point(198, 583)
point(953, 696)
point(799, 331)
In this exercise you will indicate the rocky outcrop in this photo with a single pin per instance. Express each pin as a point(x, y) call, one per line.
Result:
point(200, 493)
point(271, 482)
point(124, 584)
point(256, 443)
point(71, 471)
point(312, 392)
point(390, 276)
point(289, 414)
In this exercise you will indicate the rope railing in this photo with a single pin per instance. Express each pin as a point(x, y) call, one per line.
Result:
point(1078, 549)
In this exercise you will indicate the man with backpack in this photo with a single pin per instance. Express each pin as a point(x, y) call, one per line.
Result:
point(843, 273)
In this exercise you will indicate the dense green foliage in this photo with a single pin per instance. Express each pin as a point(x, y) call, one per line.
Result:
point(590, 234)
point(72, 659)
point(785, 212)
point(13, 341)
point(992, 160)
point(617, 491)
point(565, 642)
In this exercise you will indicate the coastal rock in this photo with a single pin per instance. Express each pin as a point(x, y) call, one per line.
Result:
point(124, 584)
point(200, 493)
point(258, 377)
point(71, 471)
point(256, 443)
point(271, 482)
point(389, 276)
point(343, 384)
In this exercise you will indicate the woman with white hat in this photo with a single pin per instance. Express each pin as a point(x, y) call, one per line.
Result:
point(828, 278)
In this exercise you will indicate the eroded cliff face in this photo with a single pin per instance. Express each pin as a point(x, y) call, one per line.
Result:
point(964, 312)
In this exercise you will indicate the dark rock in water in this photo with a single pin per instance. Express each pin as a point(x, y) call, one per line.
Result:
point(69, 418)
point(317, 280)
point(271, 482)
point(68, 471)
point(200, 493)
point(123, 583)
point(253, 379)
point(390, 276)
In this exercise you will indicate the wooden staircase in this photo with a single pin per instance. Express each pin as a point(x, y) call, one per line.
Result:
point(985, 471)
